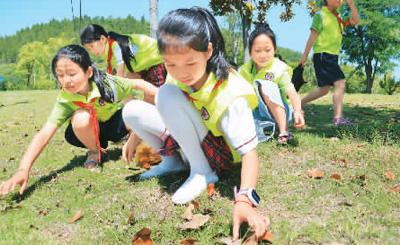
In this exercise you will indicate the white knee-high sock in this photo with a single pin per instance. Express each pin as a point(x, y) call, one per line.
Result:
point(185, 124)
point(144, 119)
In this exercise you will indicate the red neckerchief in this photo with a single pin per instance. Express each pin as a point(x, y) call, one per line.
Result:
point(109, 57)
point(93, 118)
point(339, 19)
point(191, 99)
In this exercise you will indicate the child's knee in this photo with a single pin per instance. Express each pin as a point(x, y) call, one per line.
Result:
point(341, 84)
point(133, 111)
point(81, 119)
point(169, 96)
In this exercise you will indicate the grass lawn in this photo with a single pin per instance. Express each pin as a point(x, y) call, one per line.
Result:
point(359, 208)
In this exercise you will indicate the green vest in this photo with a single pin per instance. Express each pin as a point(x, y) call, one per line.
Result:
point(276, 71)
point(214, 98)
point(329, 39)
point(147, 54)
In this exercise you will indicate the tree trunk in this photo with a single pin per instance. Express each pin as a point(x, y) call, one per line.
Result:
point(153, 18)
point(370, 80)
point(245, 35)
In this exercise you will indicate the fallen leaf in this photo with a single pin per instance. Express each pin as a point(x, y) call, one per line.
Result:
point(336, 176)
point(188, 241)
point(334, 139)
point(395, 188)
point(78, 215)
point(316, 173)
point(131, 217)
point(229, 241)
point(146, 165)
point(188, 214)
point(211, 189)
point(196, 222)
point(268, 236)
point(44, 212)
point(142, 237)
point(146, 156)
point(389, 175)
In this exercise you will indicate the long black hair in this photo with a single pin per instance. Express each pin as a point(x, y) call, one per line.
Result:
point(80, 56)
point(93, 32)
point(263, 28)
point(195, 27)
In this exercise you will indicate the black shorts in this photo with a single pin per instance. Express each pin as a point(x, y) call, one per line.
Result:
point(112, 130)
point(327, 69)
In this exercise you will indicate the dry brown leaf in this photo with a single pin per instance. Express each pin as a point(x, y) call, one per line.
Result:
point(131, 217)
point(195, 204)
point(188, 214)
point(196, 222)
point(389, 175)
point(77, 216)
point(395, 188)
point(142, 237)
point(336, 176)
point(316, 173)
point(146, 156)
point(211, 189)
point(188, 241)
point(268, 236)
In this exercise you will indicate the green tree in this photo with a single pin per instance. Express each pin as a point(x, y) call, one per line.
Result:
point(247, 10)
point(233, 39)
point(376, 41)
point(389, 83)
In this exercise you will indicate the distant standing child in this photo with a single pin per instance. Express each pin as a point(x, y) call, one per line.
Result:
point(326, 39)
point(91, 101)
point(271, 79)
point(206, 108)
point(129, 55)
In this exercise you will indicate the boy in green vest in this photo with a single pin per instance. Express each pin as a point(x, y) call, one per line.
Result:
point(326, 40)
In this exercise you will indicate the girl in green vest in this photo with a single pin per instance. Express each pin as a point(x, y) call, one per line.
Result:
point(271, 79)
point(127, 56)
point(205, 109)
point(91, 102)
point(326, 40)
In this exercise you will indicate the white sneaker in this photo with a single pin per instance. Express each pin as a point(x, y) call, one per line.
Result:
point(193, 186)
point(169, 164)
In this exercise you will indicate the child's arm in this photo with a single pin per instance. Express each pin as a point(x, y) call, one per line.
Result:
point(149, 90)
point(297, 111)
point(310, 42)
point(355, 18)
point(121, 70)
point(243, 210)
point(38, 143)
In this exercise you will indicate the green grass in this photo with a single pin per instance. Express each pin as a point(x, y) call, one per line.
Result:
point(354, 210)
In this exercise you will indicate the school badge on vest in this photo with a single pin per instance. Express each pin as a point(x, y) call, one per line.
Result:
point(269, 76)
point(204, 113)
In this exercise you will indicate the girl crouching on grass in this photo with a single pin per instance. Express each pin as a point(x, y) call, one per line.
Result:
point(91, 101)
point(205, 108)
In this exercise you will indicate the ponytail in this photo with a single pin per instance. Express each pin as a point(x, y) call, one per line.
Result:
point(103, 82)
point(93, 32)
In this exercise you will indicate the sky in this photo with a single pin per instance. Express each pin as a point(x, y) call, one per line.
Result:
point(17, 14)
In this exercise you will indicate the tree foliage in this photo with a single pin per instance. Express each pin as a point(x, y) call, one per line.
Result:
point(389, 83)
point(9, 45)
point(376, 41)
point(249, 9)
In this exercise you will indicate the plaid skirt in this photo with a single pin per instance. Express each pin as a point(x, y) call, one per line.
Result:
point(155, 75)
point(215, 149)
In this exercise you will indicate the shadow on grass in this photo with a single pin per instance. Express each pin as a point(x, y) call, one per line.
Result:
point(75, 162)
point(369, 124)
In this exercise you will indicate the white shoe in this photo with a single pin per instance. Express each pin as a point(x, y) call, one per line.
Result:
point(169, 164)
point(193, 186)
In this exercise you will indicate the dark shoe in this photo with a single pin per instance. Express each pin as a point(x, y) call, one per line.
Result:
point(285, 138)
